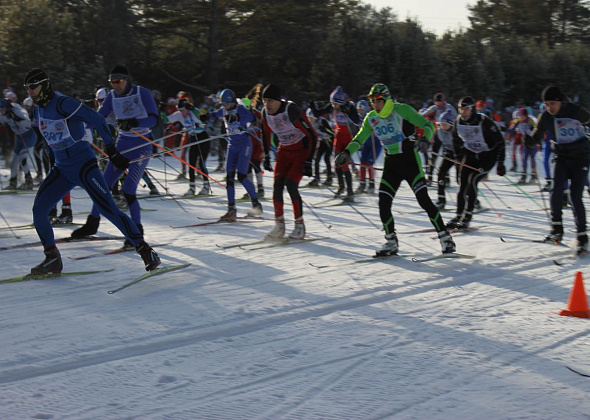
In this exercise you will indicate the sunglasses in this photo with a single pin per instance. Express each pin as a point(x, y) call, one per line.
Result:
point(34, 85)
point(116, 81)
point(376, 97)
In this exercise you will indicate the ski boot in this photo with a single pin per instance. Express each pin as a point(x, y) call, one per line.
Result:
point(446, 242)
point(361, 188)
point(328, 182)
point(556, 234)
point(582, 248)
point(464, 222)
point(89, 228)
point(154, 190)
point(148, 255)
point(390, 247)
point(349, 197)
point(522, 180)
point(299, 231)
point(278, 231)
point(231, 215)
point(28, 184)
point(66, 215)
point(548, 186)
point(256, 209)
point(11, 184)
point(206, 190)
point(339, 191)
point(454, 222)
point(313, 183)
point(260, 191)
point(191, 190)
point(441, 203)
point(371, 188)
point(51, 264)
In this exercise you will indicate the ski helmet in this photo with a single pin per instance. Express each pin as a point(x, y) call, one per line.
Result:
point(227, 97)
point(362, 104)
point(379, 91)
point(39, 77)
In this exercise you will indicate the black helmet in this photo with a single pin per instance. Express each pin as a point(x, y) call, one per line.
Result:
point(33, 79)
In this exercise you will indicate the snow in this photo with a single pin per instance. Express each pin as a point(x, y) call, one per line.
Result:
point(263, 334)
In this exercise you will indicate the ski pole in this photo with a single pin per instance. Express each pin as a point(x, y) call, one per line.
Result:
point(544, 204)
point(456, 162)
point(9, 227)
point(168, 192)
point(497, 196)
point(177, 158)
point(316, 215)
point(522, 191)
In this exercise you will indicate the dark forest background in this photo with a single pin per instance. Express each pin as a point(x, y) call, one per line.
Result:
point(510, 51)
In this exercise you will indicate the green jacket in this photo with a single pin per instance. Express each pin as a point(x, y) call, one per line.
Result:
point(394, 124)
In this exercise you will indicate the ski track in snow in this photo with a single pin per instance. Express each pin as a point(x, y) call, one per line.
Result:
point(261, 334)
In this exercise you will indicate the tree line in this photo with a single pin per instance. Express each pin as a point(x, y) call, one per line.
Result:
point(511, 50)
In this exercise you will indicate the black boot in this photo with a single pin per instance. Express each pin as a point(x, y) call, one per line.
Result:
point(65, 217)
point(89, 228)
point(148, 255)
point(51, 264)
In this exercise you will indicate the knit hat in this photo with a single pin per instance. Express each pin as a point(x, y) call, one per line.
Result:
point(338, 96)
point(271, 92)
point(552, 93)
point(119, 72)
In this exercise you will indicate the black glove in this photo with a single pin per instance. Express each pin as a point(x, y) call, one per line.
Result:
point(501, 169)
point(120, 161)
point(342, 158)
point(127, 125)
point(529, 141)
point(231, 118)
point(267, 164)
point(423, 145)
point(307, 169)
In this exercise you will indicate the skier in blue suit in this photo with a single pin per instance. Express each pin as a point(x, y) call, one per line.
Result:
point(62, 121)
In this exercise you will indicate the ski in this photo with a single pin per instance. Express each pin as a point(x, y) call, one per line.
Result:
point(569, 260)
point(186, 197)
point(32, 226)
point(148, 275)
point(536, 241)
point(452, 231)
point(282, 242)
point(65, 240)
point(112, 252)
point(443, 256)
point(244, 244)
point(373, 258)
point(51, 275)
point(218, 221)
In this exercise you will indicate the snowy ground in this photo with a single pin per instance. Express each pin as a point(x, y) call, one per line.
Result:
point(263, 334)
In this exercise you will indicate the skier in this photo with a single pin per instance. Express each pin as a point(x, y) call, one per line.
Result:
point(239, 151)
point(198, 153)
point(61, 120)
point(563, 122)
point(297, 141)
point(346, 120)
point(369, 154)
point(393, 123)
point(478, 143)
point(135, 112)
point(17, 118)
point(445, 135)
point(519, 129)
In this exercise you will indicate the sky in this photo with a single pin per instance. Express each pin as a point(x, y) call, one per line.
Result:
point(436, 16)
point(301, 331)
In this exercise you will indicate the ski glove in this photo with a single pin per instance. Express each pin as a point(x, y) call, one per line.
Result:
point(127, 125)
point(267, 165)
point(501, 169)
point(423, 145)
point(342, 158)
point(307, 169)
point(120, 161)
point(529, 141)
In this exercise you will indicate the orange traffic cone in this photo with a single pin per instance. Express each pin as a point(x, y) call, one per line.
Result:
point(577, 305)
